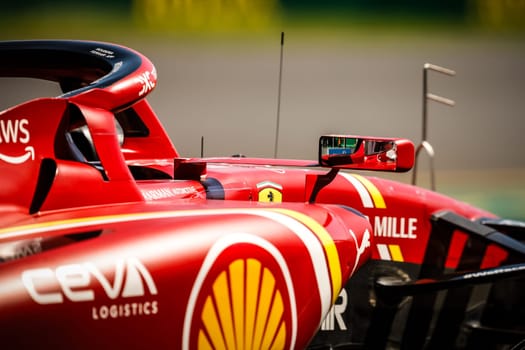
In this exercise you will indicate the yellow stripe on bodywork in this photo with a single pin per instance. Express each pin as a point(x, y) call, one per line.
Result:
point(395, 252)
point(377, 197)
point(328, 244)
point(320, 232)
point(70, 223)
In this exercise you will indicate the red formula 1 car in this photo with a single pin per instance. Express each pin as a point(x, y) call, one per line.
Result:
point(109, 238)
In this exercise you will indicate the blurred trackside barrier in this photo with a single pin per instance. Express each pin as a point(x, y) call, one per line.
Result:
point(494, 14)
point(201, 16)
point(227, 15)
point(206, 15)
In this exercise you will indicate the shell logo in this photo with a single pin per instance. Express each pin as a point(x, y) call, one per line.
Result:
point(243, 298)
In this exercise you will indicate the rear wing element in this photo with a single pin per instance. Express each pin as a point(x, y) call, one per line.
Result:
point(440, 300)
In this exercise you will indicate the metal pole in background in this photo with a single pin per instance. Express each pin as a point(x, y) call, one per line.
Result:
point(279, 98)
point(428, 96)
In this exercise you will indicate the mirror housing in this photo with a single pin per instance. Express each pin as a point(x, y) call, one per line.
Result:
point(366, 153)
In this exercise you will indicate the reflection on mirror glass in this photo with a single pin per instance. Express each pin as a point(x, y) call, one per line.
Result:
point(386, 150)
point(345, 150)
point(366, 153)
point(336, 145)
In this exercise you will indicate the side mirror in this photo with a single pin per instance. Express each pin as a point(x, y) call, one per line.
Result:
point(366, 153)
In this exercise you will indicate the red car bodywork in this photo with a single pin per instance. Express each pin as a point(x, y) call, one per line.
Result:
point(134, 246)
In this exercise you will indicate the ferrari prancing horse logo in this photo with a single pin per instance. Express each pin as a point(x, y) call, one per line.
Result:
point(270, 192)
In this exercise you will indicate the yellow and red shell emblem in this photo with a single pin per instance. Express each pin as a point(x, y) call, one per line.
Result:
point(243, 298)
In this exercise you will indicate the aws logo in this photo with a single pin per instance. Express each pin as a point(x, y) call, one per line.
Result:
point(241, 302)
point(16, 132)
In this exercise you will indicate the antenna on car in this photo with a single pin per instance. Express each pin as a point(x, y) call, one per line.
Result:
point(428, 96)
point(279, 98)
point(202, 146)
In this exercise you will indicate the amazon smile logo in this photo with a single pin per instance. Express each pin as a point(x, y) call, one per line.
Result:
point(29, 153)
point(15, 132)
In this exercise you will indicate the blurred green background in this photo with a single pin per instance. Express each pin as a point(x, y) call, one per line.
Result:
point(96, 18)
point(349, 66)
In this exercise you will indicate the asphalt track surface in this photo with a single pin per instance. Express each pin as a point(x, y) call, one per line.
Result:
point(228, 93)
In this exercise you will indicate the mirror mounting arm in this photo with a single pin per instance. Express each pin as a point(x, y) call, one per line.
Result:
point(320, 182)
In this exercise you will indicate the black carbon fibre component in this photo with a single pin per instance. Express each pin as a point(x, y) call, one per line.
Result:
point(77, 65)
